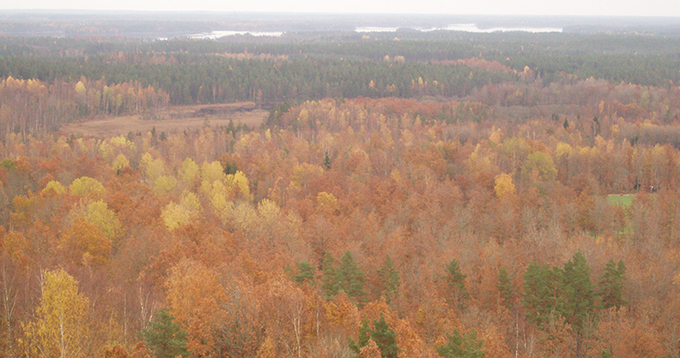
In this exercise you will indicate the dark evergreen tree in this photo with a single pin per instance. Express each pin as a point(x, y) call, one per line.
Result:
point(611, 285)
point(462, 346)
point(305, 273)
point(349, 278)
point(579, 297)
point(542, 293)
point(362, 340)
point(383, 336)
point(506, 289)
point(328, 281)
point(327, 161)
point(388, 280)
point(565, 292)
point(164, 337)
point(455, 282)
point(579, 292)
point(230, 167)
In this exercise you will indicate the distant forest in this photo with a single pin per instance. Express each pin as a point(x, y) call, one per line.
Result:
point(75, 78)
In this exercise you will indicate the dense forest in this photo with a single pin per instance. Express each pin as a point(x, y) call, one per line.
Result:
point(462, 195)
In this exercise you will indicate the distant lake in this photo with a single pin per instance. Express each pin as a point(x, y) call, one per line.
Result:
point(217, 34)
point(464, 27)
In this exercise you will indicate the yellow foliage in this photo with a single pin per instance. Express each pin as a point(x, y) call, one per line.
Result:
point(54, 186)
point(120, 162)
point(212, 172)
point(304, 116)
point(504, 185)
point(327, 202)
point(496, 135)
point(244, 216)
point(190, 201)
point(188, 171)
point(164, 184)
point(99, 214)
point(121, 142)
point(219, 197)
point(80, 88)
point(268, 210)
point(563, 150)
point(175, 215)
point(238, 181)
point(86, 186)
point(61, 328)
point(60, 146)
point(304, 172)
point(153, 168)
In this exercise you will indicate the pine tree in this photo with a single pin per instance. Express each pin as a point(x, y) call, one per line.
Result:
point(579, 292)
point(384, 337)
point(350, 278)
point(506, 289)
point(362, 340)
point(305, 273)
point(455, 281)
point(542, 293)
point(328, 281)
point(327, 163)
point(611, 285)
point(164, 337)
point(579, 297)
point(462, 346)
point(565, 292)
point(388, 280)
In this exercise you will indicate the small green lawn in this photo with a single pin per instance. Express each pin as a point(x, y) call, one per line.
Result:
point(624, 201)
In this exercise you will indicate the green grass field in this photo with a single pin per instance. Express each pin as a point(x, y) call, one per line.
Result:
point(622, 200)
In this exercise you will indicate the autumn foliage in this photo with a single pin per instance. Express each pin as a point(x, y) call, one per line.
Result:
point(367, 227)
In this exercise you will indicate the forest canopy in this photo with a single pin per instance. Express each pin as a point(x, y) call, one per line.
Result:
point(477, 195)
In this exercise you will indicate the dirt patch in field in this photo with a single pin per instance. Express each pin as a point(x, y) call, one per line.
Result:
point(171, 120)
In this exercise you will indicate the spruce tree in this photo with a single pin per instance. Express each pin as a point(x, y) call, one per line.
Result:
point(349, 278)
point(164, 337)
point(455, 281)
point(328, 282)
point(611, 285)
point(506, 289)
point(388, 280)
point(305, 273)
point(383, 336)
point(579, 292)
point(462, 346)
point(362, 340)
point(543, 295)
point(579, 297)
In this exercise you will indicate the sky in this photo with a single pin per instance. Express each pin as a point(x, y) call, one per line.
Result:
point(462, 7)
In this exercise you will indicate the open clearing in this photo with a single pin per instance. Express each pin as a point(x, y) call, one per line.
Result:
point(173, 119)
point(623, 200)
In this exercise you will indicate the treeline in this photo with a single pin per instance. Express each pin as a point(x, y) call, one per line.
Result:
point(637, 59)
point(192, 79)
point(34, 106)
point(343, 228)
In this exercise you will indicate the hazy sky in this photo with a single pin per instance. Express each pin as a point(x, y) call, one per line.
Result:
point(495, 7)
